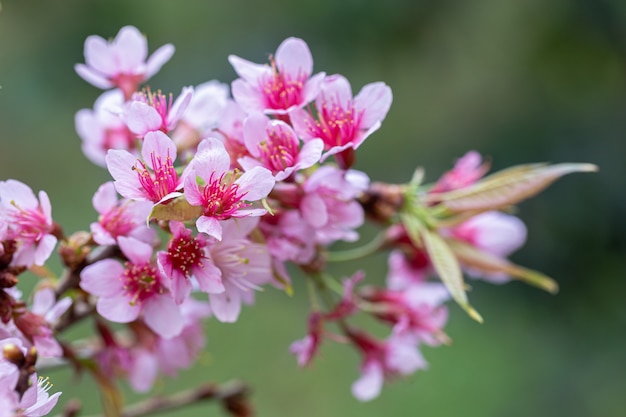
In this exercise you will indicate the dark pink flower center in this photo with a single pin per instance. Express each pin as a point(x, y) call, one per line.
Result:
point(116, 222)
point(221, 199)
point(160, 102)
point(119, 138)
point(164, 181)
point(141, 281)
point(31, 225)
point(279, 150)
point(336, 125)
point(281, 91)
point(128, 83)
point(185, 253)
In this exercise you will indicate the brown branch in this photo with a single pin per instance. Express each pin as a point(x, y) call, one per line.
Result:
point(232, 395)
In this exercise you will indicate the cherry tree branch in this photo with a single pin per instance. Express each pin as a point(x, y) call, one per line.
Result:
point(232, 395)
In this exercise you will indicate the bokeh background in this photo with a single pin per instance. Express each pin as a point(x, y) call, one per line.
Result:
point(518, 80)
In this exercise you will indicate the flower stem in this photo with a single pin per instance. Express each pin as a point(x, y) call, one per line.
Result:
point(368, 249)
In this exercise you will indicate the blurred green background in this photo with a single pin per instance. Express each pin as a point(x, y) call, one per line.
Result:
point(518, 80)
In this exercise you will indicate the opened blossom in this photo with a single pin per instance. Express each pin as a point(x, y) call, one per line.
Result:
point(286, 84)
point(119, 217)
point(122, 62)
point(244, 265)
point(342, 121)
point(203, 114)
point(136, 288)
point(420, 308)
point(102, 128)
point(28, 222)
point(384, 360)
point(149, 111)
point(187, 259)
point(223, 195)
point(274, 145)
point(329, 203)
point(154, 178)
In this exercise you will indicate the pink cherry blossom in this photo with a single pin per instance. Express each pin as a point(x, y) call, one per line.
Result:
point(419, 307)
point(119, 217)
point(29, 222)
point(122, 62)
point(102, 128)
point(285, 84)
point(151, 112)
point(274, 145)
point(467, 170)
point(288, 237)
point(134, 180)
point(230, 127)
point(494, 232)
point(396, 356)
point(329, 203)
point(244, 266)
point(223, 195)
point(306, 348)
point(187, 258)
point(341, 121)
point(203, 114)
point(136, 288)
point(35, 402)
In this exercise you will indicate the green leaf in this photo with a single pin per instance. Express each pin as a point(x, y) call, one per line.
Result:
point(488, 263)
point(507, 187)
point(177, 209)
point(447, 267)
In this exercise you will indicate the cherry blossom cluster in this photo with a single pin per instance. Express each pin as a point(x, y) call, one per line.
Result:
point(220, 191)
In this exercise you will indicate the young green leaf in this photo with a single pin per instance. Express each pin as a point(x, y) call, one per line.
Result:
point(507, 187)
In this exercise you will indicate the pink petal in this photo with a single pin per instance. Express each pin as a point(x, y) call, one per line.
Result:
point(120, 165)
point(131, 49)
point(136, 251)
point(254, 132)
point(301, 120)
point(44, 249)
point(293, 57)
point(247, 96)
point(374, 100)
point(158, 58)
point(209, 225)
point(211, 158)
point(22, 194)
point(92, 77)
point(256, 183)
point(142, 118)
point(314, 210)
point(192, 191)
point(105, 199)
point(99, 56)
point(312, 87)
point(143, 371)
point(368, 386)
point(102, 278)
point(226, 306)
point(247, 70)
point(209, 277)
point(117, 309)
point(310, 153)
point(337, 89)
point(157, 144)
point(163, 316)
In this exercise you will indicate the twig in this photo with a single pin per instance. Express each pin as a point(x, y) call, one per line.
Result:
point(233, 396)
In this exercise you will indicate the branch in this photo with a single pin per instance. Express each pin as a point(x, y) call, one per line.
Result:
point(232, 395)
